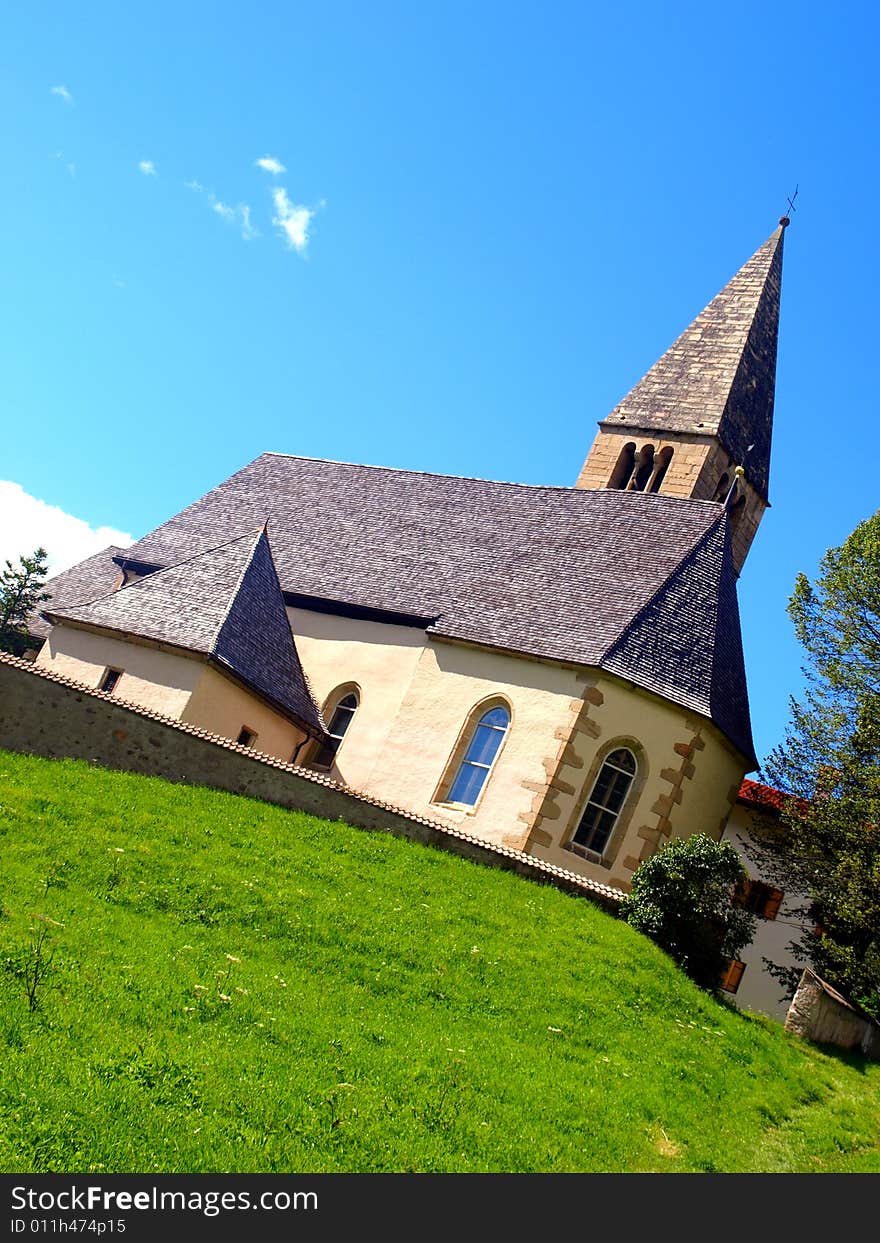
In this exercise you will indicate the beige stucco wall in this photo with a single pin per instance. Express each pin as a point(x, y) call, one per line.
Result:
point(687, 777)
point(418, 693)
point(449, 684)
point(181, 687)
point(378, 659)
point(159, 680)
point(222, 706)
point(758, 991)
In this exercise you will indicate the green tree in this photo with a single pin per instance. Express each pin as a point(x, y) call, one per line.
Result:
point(684, 899)
point(21, 592)
point(827, 844)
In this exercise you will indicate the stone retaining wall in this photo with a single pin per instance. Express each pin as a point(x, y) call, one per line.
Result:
point(45, 714)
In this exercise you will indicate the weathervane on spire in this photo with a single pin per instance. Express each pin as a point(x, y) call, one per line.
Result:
point(785, 220)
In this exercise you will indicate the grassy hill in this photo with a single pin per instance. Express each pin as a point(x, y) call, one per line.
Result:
point(237, 987)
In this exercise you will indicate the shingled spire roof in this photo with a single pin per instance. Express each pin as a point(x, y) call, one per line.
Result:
point(719, 377)
point(225, 604)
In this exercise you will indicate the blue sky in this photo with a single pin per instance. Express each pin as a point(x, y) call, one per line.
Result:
point(495, 216)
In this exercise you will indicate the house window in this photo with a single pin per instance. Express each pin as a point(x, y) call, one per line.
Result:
point(760, 899)
point(109, 681)
point(343, 714)
point(246, 737)
point(605, 802)
point(732, 976)
point(479, 757)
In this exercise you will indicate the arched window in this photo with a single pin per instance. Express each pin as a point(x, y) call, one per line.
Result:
point(723, 488)
point(341, 719)
point(661, 466)
point(480, 754)
point(624, 468)
point(606, 801)
point(644, 469)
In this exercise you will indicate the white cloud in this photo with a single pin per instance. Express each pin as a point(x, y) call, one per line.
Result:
point(240, 214)
point(292, 220)
point(148, 168)
point(224, 210)
point(194, 185)
point(247, 229)
point(63, 93)
point(27, 522)
point(270, 165)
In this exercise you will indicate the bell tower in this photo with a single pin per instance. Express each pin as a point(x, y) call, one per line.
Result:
point(706, 407)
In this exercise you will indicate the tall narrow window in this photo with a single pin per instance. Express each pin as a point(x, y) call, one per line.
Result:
point(479, 757)
point(661, 466)
point(624, 468)
point(644, 469)
point(341, 719)
point(605, 802)
point(723, 488)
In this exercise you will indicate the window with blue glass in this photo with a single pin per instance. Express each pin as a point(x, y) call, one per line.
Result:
point(343, 715)
point(479, 757)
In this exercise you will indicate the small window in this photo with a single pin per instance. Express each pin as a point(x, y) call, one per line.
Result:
point(110, 680)
point(481, 753)
point(762, 900)
point(343, 714)
point(732, 976)
point(246, 737)
point(605, 803)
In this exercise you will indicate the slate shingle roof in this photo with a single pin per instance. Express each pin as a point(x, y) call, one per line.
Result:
point(719, 377)
point(223, 602)
point(693, 623)
point(558, 573)
point(91, 578)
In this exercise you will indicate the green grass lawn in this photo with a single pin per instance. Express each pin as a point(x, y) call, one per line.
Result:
point(240, 988)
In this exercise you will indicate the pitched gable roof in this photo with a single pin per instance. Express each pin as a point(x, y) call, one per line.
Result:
point(555, 573)
point(224, 603)
point(719, 376)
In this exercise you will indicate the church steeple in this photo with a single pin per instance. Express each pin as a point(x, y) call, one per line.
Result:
point(706, 406)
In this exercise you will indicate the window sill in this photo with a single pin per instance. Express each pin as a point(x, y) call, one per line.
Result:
point(589, 856)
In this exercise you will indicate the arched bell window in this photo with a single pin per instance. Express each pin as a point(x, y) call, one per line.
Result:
point(623, 469)
point(605, 802)
point(644, 469)
point(480, 753)
point(661, 466)
point(340, 721)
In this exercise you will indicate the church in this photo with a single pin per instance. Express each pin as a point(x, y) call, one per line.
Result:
point(558, 670)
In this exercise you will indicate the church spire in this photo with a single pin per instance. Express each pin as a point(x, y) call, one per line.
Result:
point(706, 406)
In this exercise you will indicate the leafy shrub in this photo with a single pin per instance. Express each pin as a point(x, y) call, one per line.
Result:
point(684, 899)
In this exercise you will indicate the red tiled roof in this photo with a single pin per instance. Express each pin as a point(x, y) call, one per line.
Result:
point(761, 797)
